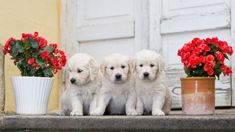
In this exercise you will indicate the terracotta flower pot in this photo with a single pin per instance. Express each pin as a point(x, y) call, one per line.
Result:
point(198, 95)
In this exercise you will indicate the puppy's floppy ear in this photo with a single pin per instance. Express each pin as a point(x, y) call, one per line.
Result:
point(65, 77)
point(131, 64)
point(103, 67)
point(161, 64)
point(93, 68)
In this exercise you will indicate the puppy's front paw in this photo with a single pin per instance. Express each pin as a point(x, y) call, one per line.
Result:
point(96, 112)
point(131, 113)
point(76, 113)
point(60, 113)
point(158, 113)
point(139, 113)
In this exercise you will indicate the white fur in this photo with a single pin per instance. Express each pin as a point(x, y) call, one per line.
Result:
point(116, 96)
point(153, 96)
point(79, 98)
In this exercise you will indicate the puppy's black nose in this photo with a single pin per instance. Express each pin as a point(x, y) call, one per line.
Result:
point(146, 74)
point(118, 76)
point(72, 80)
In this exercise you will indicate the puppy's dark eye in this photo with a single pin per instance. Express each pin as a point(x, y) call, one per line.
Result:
point(111, 68)
point(152, 65)
point(79, 70)
point(123, 67)
point(141, 65)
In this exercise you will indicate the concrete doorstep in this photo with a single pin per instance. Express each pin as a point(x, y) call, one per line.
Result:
point(221, 121)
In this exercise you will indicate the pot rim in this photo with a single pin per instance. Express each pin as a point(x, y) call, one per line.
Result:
point(31, 77)
point(198, 78)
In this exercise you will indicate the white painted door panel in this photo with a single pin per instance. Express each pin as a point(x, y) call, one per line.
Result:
point(105, 27)
point(99, 49)
point(109, 26)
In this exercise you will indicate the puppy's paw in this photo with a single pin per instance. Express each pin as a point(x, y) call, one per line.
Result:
point(158, 113)
point(131, 113)
point(76, 113)
point(139, 113)
point(60, 113)
point(96, 113)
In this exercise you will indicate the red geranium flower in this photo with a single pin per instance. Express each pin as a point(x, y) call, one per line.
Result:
point(31, 61)
point(44, 55)
point(205, 57)
point(42, 42)
point(33, 56)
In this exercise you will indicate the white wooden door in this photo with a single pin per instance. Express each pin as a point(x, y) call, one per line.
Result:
point(181, 21)
point(102, 27)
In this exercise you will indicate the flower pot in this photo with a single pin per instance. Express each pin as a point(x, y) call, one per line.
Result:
point(31, 94)
point(198, 95)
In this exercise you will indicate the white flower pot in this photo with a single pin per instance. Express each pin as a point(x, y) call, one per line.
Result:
point(31, 94)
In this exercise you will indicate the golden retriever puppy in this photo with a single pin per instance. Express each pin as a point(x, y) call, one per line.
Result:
point(153, 96)
point(83, 81)
point(117, 95)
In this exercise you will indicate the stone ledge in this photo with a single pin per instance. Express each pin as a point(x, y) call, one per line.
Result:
point(175, 122)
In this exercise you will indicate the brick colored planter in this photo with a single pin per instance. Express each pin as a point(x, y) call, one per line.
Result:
point(198, 95)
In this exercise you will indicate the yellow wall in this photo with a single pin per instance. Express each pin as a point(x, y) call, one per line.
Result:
point(18, 16)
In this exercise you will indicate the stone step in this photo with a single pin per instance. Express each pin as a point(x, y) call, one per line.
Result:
point(223, 120)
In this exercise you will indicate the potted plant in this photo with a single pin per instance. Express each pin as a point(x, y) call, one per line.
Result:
point(37, 62)
point(203, 60)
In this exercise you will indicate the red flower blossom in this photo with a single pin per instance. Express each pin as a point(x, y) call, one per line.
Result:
point(219, 56)
point(7, 46)
point(226, 70)
point(210, 59)
point(41, 42)
point(44, 55)
point(24, 52)
point(31, 61)
point(53, 45)
point(205, 57)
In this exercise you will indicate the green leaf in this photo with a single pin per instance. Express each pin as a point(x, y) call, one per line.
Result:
point(34, 44)
point(40, 62)
point(14, 52)
point(226, 56)
point(33, 71)
point(49, 49)
point(19, 46)
point(47, 73)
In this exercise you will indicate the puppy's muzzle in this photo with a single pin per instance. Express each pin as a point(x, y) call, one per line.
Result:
point(146, 75)
point(72, 81)
point(118, 77)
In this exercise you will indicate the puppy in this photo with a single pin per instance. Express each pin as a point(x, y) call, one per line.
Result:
point(153, 96)
point(83, 81)
point(117, 95)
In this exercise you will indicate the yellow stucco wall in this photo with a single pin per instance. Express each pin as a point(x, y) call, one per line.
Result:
point(18, 16)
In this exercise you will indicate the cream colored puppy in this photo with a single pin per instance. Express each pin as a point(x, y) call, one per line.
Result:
point(153, 96)
point(83, 81)
point(117, 95)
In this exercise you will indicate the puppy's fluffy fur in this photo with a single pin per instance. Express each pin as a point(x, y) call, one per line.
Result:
point(83, 82)
point(117, 94)
point(153, 96)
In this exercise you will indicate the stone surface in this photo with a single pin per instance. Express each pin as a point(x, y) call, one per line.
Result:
point(2, 90)
point(221, 121)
